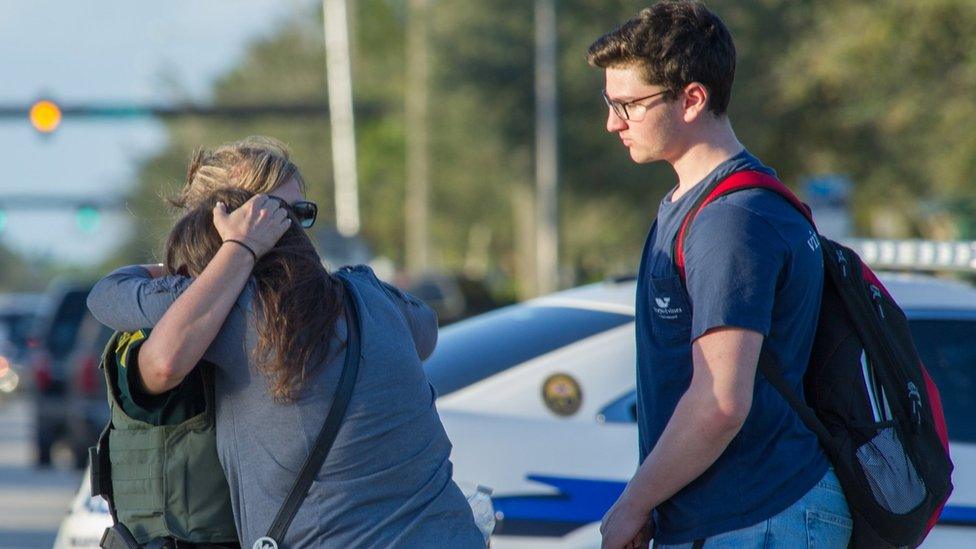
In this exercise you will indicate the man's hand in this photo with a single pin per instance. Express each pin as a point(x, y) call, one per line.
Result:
point(625, 526)
point(706, 419)
point(259, 222)
point(644, 537)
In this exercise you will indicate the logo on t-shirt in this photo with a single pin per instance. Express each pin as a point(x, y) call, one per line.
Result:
point(813, 241)
point(664, 310)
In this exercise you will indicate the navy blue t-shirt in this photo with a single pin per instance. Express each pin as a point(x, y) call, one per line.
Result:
point(751, 261)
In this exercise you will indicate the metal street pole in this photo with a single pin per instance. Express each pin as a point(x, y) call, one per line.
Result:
point(546, 156)
point(418, 172)
point(339, 79)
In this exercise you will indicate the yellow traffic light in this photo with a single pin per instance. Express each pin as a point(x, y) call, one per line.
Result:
point(45, 116)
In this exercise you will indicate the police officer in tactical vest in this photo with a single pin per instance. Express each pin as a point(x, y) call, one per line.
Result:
point(156, 462)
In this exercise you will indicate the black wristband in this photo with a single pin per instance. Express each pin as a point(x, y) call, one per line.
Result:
point(246, 247)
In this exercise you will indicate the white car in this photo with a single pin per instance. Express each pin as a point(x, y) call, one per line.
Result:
point(86, 520)
point(539, 401)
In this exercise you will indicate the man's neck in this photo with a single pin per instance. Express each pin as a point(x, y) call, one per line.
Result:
point(704, 152)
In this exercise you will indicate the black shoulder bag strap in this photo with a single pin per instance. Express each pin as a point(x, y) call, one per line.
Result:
point(327, 436)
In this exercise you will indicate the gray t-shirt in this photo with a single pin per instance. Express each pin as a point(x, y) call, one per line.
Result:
point(387, 481)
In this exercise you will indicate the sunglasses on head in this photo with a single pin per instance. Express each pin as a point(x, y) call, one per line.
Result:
point(305, 211)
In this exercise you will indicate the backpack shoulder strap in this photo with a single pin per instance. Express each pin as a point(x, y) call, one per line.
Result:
point(323, 443)
point(772, 371)
point(738, 181)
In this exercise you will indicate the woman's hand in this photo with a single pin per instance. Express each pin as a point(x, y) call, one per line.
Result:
point(259, 222)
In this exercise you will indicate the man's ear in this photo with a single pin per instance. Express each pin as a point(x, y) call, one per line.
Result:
point(694, 98)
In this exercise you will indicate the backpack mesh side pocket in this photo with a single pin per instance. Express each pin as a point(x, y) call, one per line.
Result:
point(890, 473)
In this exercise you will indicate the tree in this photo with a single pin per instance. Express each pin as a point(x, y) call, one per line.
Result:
point(820, 87)
point(289, 66)
point(16, 275)
point(883, 91)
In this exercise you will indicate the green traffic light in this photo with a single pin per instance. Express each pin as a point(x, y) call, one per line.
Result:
point(3, 220)
point(88, 218)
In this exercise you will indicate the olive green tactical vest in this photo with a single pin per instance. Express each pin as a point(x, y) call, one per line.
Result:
point(166, 480)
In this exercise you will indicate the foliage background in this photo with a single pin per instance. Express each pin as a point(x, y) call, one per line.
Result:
point(878, 90)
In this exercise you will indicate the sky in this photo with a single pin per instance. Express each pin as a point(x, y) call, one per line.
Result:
point(106, 51)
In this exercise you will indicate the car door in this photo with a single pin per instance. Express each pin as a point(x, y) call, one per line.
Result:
point(946, 343)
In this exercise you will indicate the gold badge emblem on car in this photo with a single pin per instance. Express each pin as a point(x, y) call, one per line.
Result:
point(562, 394)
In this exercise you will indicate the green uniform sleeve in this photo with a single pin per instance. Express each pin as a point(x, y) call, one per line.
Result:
point(169, 408)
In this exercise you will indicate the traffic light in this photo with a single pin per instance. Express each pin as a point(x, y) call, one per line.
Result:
point(45, 116)
point(3, 220)
point(87, 218)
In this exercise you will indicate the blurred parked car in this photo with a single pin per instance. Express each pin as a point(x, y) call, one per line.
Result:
point(453, 296)
point(539, 401)
point(9, 376)
point(86, 403)
point(17, 315)
point(51, 342)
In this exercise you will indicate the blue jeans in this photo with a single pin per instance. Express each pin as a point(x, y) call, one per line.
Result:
point(820, 519)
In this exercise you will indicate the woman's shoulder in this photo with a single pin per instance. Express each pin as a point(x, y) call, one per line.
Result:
point(369, 287)
point(359, 275)
point(356, 270)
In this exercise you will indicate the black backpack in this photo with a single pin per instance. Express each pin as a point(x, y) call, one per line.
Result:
point(869, 399)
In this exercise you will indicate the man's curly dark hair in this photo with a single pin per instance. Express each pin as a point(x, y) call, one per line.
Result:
point(673, 43)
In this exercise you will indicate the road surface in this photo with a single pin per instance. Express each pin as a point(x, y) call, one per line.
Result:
point(32, 501)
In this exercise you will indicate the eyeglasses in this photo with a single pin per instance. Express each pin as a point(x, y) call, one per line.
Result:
point(305, 211)
point(629, 110)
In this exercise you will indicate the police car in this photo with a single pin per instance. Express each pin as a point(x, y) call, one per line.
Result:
point(539, 401)
point(86, 520)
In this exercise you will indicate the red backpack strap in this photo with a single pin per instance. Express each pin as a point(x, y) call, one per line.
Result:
point(739, 181)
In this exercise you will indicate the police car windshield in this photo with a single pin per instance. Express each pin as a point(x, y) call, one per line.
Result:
point(479, 347)
point(948, 350)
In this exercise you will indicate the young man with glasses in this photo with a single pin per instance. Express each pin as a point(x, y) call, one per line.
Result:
point(724, 459)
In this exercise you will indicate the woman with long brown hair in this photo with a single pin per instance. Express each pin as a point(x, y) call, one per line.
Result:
point(266, 312)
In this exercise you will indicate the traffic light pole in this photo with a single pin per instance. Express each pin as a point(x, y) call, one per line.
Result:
point(57, 202)
point(110, 111)
point(87, 210)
